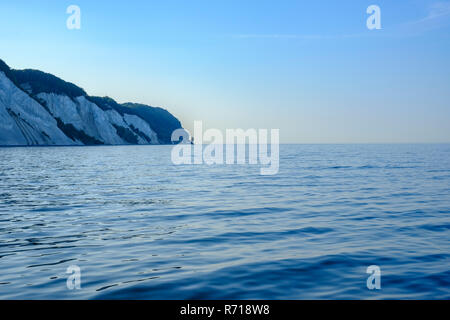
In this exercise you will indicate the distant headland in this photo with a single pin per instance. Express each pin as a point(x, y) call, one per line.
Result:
point(37, 108)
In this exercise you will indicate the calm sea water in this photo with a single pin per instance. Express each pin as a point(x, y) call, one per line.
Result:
point(142, 228)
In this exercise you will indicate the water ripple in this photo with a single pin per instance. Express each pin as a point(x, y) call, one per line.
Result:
point(141, 228)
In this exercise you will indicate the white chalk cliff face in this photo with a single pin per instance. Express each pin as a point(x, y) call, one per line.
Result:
point(140, 125)
point(23, 121)
point(37, 111)
point(107, 127)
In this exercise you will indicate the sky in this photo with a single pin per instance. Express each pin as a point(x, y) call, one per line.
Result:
point(309, 68)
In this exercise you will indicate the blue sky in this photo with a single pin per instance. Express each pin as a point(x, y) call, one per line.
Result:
point(310, 68)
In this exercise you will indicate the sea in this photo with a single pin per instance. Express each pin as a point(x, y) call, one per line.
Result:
point(124, 222)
